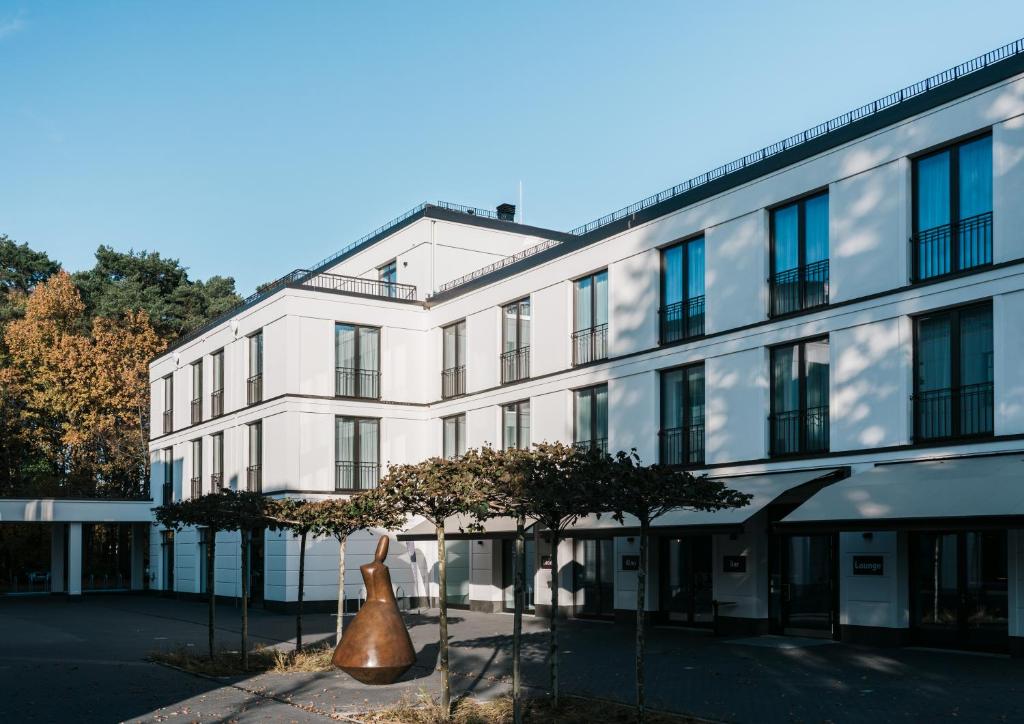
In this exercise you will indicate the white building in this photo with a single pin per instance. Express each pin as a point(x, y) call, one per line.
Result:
point(832, 324)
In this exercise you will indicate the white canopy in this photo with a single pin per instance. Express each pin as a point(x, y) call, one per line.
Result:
point(458, 526)
point(953, 491)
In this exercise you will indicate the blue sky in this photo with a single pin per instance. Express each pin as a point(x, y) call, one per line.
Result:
point(248, 139)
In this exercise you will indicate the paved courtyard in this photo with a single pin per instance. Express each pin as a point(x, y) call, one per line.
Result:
point(85, 662)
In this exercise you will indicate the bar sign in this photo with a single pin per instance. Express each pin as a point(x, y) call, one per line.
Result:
point(734, 564)
point(630, 563)
point(869, 565)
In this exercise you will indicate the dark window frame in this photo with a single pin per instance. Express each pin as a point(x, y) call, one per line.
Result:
point(802, 449)
point(359, 371)
point(197, 467)
point(687, 451)
point(594, 440)
point(254, 382)
point(460, 433)
point(518, 405)
point(357, 447)
point(515, 363)
point(216, 385)
point(595, 337)
point(168, 411)
point(686, 300)
point(216, 462)
point(168, 474)
point(196, 407)
point(801, 203)
point(254, 470)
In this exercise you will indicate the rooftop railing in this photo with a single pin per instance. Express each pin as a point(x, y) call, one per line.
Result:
point(500, 264)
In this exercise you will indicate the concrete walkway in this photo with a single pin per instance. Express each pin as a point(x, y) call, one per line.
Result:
point(85, 662)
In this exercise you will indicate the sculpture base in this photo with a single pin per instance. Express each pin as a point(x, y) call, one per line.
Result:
point(376, 676)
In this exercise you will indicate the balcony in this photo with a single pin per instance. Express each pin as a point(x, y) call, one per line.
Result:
point(168, 421)
point(216, 403)
point(355, 382)
point(254, 389)
point(356, 476)
point(795, 290)
point(600, 443)
point(682, 320)
point(515, 365)
point(953, 412)
point(795, 432)
point(216, 481)
point(254, 478)
point(590, 345)
point(197, 410)
point(682, 445)
point(197, 486)
point(936, 255)
point(453, 382)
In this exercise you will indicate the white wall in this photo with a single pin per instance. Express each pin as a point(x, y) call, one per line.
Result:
point(736, 267)
point(735, 421)
point(879, 601)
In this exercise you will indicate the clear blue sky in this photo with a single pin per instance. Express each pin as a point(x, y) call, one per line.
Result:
point(250, 138)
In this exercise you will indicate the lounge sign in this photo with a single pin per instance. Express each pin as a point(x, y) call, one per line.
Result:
point(869, 565)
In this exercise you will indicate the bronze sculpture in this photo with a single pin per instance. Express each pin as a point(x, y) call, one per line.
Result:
point(375, 648)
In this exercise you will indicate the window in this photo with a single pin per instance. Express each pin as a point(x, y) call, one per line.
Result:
point(682, 291)
point(590, 318)
point(515, 359)
point(799, 255)
point(217, 462)
point(357, 459)
point(357, 361)
point(254, 472)
point(953, 209)
point(254, 384)
point(168, 421)
point(799, 398)
point(953, 373)
point(388, 274)
point(197, 392)
point(168, 483)
point(454, 435)
point(681, 439)
point(590, 418)
point(197, 468)
point(516, 425)
point(453, 376)
point(217, 393)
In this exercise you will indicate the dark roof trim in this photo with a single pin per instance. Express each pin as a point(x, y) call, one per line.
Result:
point(946, 523)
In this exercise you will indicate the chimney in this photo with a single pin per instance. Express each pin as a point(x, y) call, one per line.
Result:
point(507, 212)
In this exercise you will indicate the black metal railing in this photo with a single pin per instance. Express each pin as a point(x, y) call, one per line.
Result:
point(682, 445)
point(216, 403)
point(216, 481)
point(167, 493)
point(681, 320)
point(953, 412)
point(515, 365)
point(500, 264)
point(590, 345)
point(355, 285)
point(168, 421)
point(197, 410)
point(355, 382)
point(254, 389)
point(954, 247)
point(197, 486)
point(356, 476)
point(799, 431)
point(805, 287)
point(254, 478)
point(453, 382)
point(600, 443)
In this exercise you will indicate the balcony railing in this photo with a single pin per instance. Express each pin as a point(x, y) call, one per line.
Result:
point(954, 412)
point(682, 445)
point(515, 365)
point(197, 486)
point(254, 478)
point(681, 320)
point(355, 382)
point(600, 443)
point(356, 476)
point(797, 289)
point(799, 431)
point(453, 382)
point(197, 410)
point(216, 403)
point(936, 254)
point(216, 481)
point(254, 389)
point(167, 493)
point(168, 421)
point(590, 345)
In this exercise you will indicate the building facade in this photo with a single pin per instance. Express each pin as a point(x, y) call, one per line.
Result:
point(832, 324)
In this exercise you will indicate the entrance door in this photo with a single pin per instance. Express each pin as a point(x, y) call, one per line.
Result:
point(806, 599)
point(508, 548)
point(457, 572)
point(595, 577)
point(686, 592)
point(959, 593)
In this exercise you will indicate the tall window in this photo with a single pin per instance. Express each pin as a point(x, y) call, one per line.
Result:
point(168, 483)
point(254, 472)
point(197, 467)
point(453, 374)
point(799, 414)
point(682, 291)
point(357, 361)
point(357, 453)
point(590, 418)
point(254, 384)
point(515, 429)
point(681, 440)
point(168, 421)
point(799, 255)
point(515, 359)
point(953, 373)
point(217, 462)
point(953, 209)
point(388, 274)
point(197, 392)
point(217, 393)
point(590, 318)
point(454, 435)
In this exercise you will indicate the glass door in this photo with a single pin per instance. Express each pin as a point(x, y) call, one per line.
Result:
point(457, 561)
point(507, 573)
point(686, 580)
point(807, 601)
point(595, 574)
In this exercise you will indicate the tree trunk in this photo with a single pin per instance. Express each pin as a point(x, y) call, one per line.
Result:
point(211, 592)
point(442, 600)
point(302, 581)
point(641, 603)
point(340, 623)
point(518, 588)
point(245, 600)
point(553, 619)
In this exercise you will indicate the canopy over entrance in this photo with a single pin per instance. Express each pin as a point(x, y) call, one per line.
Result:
point(458, 527)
